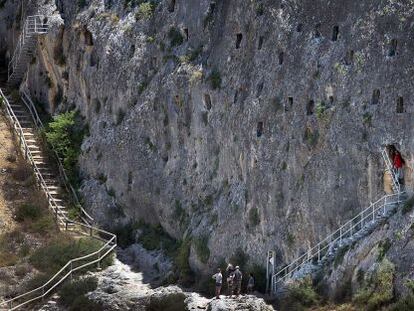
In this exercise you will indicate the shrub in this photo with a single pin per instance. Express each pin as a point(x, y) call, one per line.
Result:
point(300, 296)
point(215, 79)
point(27, 211)
point(320, 110)
point(175, 36)
point(22, 172)
point(186, 276)
point(81, 3)
point(83, 303)
point(65, 134)
point(367, 118)
point(201, 248)
point(52, 257)
point(379, 288)
point(405, 303)
point(145, 11)
point(311, 137)
point(408, 205)
point(73, 290)
point(383, 248)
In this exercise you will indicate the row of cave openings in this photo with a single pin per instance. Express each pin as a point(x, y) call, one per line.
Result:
point(310, 107)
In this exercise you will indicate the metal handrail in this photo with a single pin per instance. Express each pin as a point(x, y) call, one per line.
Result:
point(67, 224)
point(355, 225)
point(64, 177)
point(346, 231)
point(33, 25)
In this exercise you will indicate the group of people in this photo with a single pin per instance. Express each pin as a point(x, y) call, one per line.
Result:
point(234, 281)
point(398, 163)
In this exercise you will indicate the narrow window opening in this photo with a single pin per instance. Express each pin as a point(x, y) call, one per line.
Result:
point(212, 6)
point(260, 43)
point(331, 99)
point(259, 88)
point(207, 101)
point(290, 101)
point(400, 105)
point(393, 48)
point(281, 55)
point(375, 97)
point(317, 32)
point(335, 33)
point(310, 108)
point(349, 58)
point(259, 129)
point(186, 34)
point(171, 6)
point(236, 96)
point(299, 27)
point(239, 38)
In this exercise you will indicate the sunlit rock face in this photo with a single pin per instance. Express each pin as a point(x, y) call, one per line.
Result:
point(245, 124)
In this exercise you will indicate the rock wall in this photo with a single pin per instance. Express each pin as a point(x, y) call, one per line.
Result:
point(257, 124)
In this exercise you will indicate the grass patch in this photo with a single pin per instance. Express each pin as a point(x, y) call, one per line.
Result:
point(145, 11)
point(215, 79)
point(201, 248)
point(383, 248)
point(300, 296)
point(379, 288)
point(72, 291)
point(52, 257)
point(408, 205)
point(175, 36)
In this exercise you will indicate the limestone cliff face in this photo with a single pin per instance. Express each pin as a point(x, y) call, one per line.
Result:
point(278, 154)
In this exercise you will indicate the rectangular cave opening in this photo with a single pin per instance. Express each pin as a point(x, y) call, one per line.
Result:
point(290, 102)
point(335, 33)
point(259, 131)
point(207, 101)
point(349, 57)
point(299, 27)
point(310, 108)
point(260, 45)
point(281, 56)
point(317, 32)
point(375, 97)
point(171, 6)
point(393, 48)
point(239, 38)
point(186, 34)
point(400, 104)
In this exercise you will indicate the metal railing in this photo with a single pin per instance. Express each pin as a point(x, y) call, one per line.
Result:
point(34, 25)
point(337, 238)
point(74, 265)
point(346, 231)
point(63, 176)
point(395, 183)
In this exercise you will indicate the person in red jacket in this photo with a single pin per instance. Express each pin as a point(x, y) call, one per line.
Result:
point(398, 163)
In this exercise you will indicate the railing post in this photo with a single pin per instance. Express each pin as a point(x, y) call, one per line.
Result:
point(373, 213)
point(385, 205)
point(319, 252)
point(340, 236)
point(71, 269)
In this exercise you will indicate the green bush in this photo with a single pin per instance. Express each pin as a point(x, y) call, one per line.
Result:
point(52, 257)
point(65, 133)
point(405, 303)
point(383, 248)
point(201, 248)
point(70, 291)
point(215, 79)
point(300, 296)
point(27, 212)
point(379, 287)
point(145, 11)
point(175, 36)
point(320, 110)
point(408, 205)
point(83, 303)
point(186, 276)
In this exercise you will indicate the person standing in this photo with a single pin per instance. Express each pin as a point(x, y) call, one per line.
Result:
point(218, 277)
point(237, 280)
point(250, 283)
point(230, 279)
point(398, 163)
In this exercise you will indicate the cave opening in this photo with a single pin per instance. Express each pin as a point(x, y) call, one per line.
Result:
point(317, 32)
point(281, 56)
point(171, 6)
point(259, 47)
point(239, 38)
point(299, 27)
point(375, 97)
point(186, 34)
point(207, 101)
point(400, 104)
point(335, 33)
point(259, 131)
point(393, 48)
point(349, 57)
point(290, 101)
point(310, 107)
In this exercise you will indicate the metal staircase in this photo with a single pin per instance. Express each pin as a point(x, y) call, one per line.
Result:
point(34, 26)
point(355, 229)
